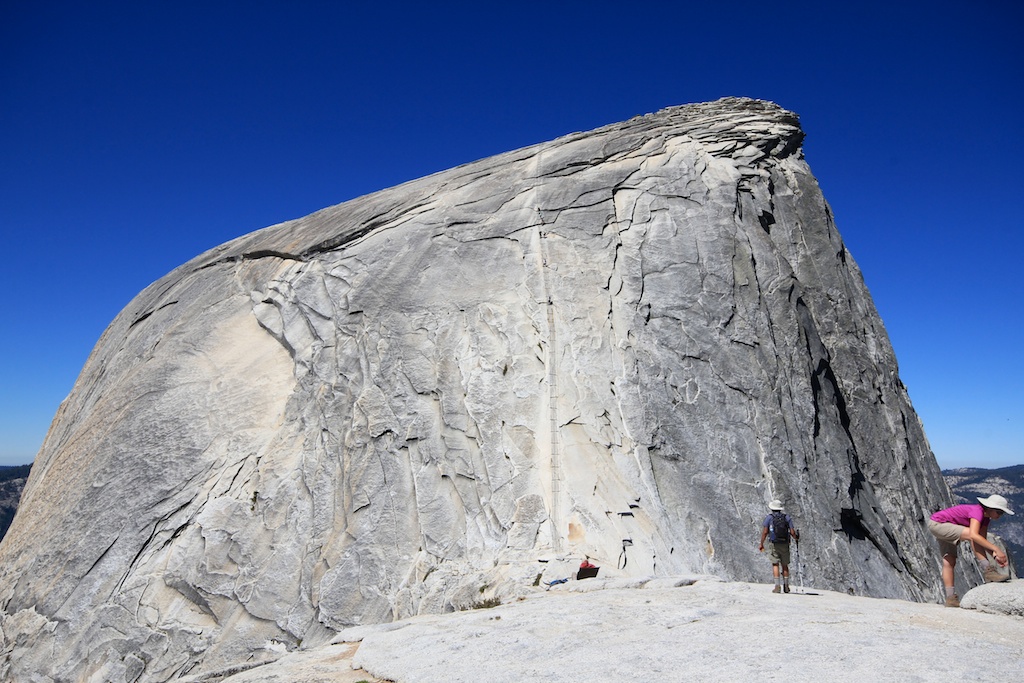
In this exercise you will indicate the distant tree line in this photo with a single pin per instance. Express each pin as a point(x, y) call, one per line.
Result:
point(8, 472)
point(10, 493)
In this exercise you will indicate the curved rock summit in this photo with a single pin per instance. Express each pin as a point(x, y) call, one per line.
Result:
point(618, 345)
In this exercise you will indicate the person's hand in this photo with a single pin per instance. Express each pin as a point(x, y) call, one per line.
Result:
point(1000, 558)
point(760, 548)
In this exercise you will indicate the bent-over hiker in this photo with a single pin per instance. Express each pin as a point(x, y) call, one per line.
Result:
point(778, 529)
point(969, 522)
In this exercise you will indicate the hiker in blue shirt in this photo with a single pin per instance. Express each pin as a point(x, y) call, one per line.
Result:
point(778, 528)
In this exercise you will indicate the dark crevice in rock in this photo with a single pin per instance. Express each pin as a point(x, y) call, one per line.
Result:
point(824, 371)
point(192, 594)
point(864, 519)
point(852, 524)
point(149, 313)
point(269, 253)
point(251, 256)
point(100, 558)
point(383, 220)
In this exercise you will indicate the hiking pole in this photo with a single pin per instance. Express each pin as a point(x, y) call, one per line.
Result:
point(800, 569)
point(799, 565)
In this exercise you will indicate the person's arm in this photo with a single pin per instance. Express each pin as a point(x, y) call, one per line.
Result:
point(764, 535)
point(975, 536)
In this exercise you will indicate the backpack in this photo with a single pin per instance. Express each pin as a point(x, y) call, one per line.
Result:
point(778, 528)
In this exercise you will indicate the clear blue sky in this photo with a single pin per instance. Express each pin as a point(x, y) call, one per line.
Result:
point(136, 135)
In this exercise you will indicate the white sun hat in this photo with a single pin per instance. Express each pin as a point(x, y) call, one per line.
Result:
point(777, 505)
point(996, 502)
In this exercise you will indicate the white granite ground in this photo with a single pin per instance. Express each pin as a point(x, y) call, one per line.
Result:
point(602, 631)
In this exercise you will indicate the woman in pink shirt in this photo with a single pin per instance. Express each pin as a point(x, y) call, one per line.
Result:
point(969, 522)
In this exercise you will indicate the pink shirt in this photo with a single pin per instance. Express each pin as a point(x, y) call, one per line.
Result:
point(962, 515)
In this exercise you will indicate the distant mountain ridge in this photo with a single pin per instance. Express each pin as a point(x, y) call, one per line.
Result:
point(12, 481)
point(968, 483)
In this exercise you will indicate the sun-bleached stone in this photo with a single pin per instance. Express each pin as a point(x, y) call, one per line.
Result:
point(617, 345)
point(998, 598)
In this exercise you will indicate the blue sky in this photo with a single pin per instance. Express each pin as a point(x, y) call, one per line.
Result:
point(136, 135)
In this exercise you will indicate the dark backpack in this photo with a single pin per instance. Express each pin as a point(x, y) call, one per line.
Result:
point(778, 528)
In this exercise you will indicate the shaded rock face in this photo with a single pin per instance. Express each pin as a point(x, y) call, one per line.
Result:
point(617, 345)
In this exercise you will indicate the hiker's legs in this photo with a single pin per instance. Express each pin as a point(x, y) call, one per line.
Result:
point(949, 536)
point(783, 555)
point(979, 553)
point(990, 569)
point(985, 560)
point(981, 556)
point(779, 554)
point(777, 575)
point(948, 565)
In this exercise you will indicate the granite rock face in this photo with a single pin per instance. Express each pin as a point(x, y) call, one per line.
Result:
point(617, 345)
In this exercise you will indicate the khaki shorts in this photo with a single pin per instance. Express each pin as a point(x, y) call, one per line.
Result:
point(778, 553)
point(948, 535)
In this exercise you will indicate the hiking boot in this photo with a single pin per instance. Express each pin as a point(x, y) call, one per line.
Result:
point(776, 590)
point(785, 589)
point(952, 601)
point(993, 575)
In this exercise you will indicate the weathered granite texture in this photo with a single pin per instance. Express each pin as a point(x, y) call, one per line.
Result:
point(620, 344)
point(997, 598)
point(609, 631)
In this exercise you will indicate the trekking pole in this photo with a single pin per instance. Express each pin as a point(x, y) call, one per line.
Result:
point(799, 565)
point(800, 569)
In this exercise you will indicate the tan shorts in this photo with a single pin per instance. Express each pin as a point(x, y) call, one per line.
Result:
point(778, 553)
point(948, 535)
